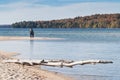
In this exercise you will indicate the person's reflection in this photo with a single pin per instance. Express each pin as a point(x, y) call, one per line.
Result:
point(31, 48)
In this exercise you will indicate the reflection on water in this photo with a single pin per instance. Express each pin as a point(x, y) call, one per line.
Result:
point(31, 48)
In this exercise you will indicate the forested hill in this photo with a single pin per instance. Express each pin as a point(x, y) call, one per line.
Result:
point(93, 21)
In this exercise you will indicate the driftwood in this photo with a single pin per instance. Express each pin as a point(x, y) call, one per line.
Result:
point(56, 63)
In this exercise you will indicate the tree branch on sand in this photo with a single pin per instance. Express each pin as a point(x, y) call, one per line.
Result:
point(56, 63)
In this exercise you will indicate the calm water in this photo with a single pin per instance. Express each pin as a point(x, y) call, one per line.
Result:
point(78, 44)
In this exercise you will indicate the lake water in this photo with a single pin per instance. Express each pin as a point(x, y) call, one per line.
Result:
point(77, 44)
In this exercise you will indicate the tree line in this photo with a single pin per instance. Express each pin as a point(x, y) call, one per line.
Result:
point(93, 21)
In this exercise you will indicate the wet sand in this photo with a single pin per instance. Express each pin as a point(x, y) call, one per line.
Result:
point(12, 71)
point(27, 38)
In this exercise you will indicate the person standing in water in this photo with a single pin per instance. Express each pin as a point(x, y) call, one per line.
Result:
point(31, 32)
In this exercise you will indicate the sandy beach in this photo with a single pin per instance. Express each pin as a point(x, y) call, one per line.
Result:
point(26, 38)
point(12, 71)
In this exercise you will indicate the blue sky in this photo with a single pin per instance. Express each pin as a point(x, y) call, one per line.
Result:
point(31, 10)
point(56, 2)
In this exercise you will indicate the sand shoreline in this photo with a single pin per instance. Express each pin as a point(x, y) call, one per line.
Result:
point(26, 38)
point(12, 71)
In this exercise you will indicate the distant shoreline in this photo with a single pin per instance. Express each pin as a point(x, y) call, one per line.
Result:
point(92, 21)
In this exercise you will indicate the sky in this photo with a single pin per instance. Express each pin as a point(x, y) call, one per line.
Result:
point(12, 11)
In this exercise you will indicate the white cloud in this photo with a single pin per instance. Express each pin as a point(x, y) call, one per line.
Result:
point(21, 11)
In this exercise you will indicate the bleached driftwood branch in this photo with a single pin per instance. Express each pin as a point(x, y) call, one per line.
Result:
point(56, 63)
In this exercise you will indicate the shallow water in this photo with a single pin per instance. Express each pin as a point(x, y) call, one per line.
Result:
point(78, 44)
